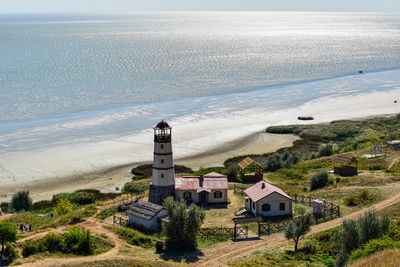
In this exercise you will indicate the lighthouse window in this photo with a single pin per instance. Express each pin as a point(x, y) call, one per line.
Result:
point(162, 146)
point(162, 161)
point(162, 175)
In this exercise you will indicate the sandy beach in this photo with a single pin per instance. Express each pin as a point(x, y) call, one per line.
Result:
point(109, 179)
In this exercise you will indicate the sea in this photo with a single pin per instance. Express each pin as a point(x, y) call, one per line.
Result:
point(82, 92)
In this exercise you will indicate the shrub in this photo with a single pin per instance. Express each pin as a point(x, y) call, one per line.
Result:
point(325, 150)
point(78, 241)
point(63, 207)
point(8, 233)
point(319, 180)
point(273, 163)
point(21, 201)
point(371, 226)
point(135, 237)
point(136, 187)
point(351, 201)
point(10, 252)
point(373, 246)
point(29, 248)
point(52, 242)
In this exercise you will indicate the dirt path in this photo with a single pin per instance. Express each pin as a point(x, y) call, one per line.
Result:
point(394, 162)
point(220, 254)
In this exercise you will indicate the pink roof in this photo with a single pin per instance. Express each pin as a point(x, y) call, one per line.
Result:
point(258, 191)
point(162, 125)
point(210, 181)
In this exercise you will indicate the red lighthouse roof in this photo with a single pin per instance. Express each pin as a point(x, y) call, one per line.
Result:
point(162, 125)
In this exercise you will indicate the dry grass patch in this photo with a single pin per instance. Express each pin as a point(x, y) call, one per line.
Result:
point(387, 258)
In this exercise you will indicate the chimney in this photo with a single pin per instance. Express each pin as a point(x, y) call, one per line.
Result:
point(262, 185)
point(201, 180)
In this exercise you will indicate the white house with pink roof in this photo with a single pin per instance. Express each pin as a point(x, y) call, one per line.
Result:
point(264, 199)
point(203, 189)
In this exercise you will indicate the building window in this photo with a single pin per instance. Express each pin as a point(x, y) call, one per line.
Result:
point(254, 205)
point(266, 207)
point(217, 194)
point(187, 195)
point(247, 200)
point(162, 161)
point(281, 206)
point(162, 175)
point(162, 146)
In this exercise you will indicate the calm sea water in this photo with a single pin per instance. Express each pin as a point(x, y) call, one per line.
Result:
point(61, 65)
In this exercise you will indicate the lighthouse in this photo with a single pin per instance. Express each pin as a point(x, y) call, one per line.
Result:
point(163, 178)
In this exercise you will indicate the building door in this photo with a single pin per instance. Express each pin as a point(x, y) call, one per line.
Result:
point(203, 198)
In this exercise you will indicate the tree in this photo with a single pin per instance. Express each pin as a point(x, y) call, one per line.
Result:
point(297, 228)
point(8, 233)
point(183, 225)
point(319, 180)
point(21, 201)
point(63, 207)
point(231, 173)
point(371, 226)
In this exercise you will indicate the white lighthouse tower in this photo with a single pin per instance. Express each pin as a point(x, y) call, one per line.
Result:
point(163, 179)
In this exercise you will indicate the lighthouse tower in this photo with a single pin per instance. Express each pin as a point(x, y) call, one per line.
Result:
point(163, 180)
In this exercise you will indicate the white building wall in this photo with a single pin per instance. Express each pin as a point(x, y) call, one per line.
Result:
point(150, 224)
point(223, 199)
point(274, 201)
point(179, 195)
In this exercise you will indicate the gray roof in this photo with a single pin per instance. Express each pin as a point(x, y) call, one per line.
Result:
point(144, 209)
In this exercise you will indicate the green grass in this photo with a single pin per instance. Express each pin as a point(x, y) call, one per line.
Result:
point(203, 243)
point(135, 237)
point(107, 213)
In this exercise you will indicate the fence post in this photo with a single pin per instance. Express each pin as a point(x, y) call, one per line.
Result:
point(234, 232)
point(338, 210)
point(295, 198)
point(309, 201)
point(259, 230)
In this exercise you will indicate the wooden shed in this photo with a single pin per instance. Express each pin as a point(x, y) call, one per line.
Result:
point(250, 170)
point(345, 164)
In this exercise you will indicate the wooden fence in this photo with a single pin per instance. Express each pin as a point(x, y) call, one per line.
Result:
point(120, 221)
point(328, 208)
point(237, 232)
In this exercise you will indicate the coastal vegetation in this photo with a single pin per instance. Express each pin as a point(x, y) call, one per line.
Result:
point(183, 224)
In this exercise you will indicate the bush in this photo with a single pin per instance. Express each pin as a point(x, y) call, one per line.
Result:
point(78, 241)
point(136, 238)
point(371, 226)
point(21, 201)
point(351, 201)
point(63, 207)
point(325, 150)
point(319, 180)
point(29, 248)
point(136, 187)
point(52, 242)
point(273, 163)
point(373, 246)
point(10, 252)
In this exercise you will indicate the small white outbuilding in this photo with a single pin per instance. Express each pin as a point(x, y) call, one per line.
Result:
point(146, 215)
point(264, 199)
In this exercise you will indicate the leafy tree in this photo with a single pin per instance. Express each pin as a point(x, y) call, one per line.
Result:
point(21, 201)
point(184, 223)
point(319, 180)
point(63, 207)
point(297, 228)
point(78, 240)
point(8, 233)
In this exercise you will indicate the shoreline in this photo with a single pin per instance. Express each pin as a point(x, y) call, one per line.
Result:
point(109, 178)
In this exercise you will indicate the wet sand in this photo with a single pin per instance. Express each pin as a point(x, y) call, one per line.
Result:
point(109, 179)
